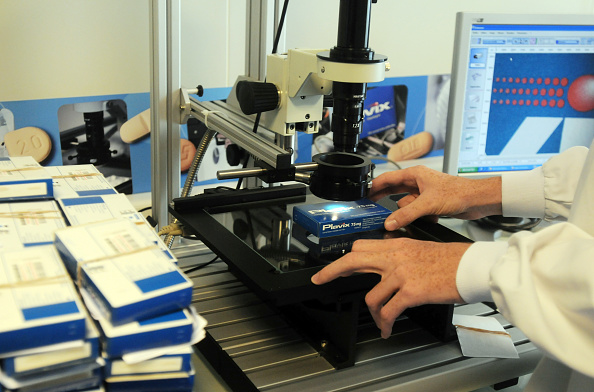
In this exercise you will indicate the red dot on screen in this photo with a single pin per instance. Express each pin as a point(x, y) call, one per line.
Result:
point(559, 92)
point(528, 102)
point(552, 103)
point(555, 81)
point(521, 91)
point(495, 90)
point(517, 80)
point(514, 90)
point(534, 91)
point(544, 102)
point(560, 103)
point(524, 80)
point(539, 81)
point(500, 90)
point(521, 102)
point(497, 79)
point(504, 80)
point(507, 101)
point(564, 82)
point(531, 80)
point(514, 102)
point(547, 81)
point(551, 92)
point(528, 91)
point(536, 102)
point(543, 91)
point(501, 101)
point(494, 102)
point(507, 91)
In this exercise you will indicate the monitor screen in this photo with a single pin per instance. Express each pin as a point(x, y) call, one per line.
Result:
point(522, 90)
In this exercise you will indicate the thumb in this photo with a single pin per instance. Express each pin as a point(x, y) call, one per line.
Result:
point(402, 217)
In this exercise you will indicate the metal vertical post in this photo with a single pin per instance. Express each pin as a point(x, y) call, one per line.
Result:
point(165, 127)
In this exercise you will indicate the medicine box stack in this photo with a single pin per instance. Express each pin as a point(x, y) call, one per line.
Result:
point(143, 327)
point(338, 218)
point(47, 340)
point(22, 178)
point(139, 296)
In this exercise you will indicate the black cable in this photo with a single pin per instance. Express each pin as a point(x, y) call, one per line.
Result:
point(145, 209)
point(196, 268)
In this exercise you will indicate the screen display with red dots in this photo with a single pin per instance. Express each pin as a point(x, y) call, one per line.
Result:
point(521, 92)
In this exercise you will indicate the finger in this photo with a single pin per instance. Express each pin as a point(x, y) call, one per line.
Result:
point(377, 297)
point(408, 214)
point(390, 312)
point(375, 245)
point(347, 265)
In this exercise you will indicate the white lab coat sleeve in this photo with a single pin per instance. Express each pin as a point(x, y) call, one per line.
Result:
point(544, 285)
point(545, 192)
point(474, 271)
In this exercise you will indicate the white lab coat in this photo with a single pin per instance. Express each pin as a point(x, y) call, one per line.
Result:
point(543, 282)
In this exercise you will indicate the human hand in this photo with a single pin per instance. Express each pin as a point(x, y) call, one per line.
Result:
point(432, 194)
point(412, 273)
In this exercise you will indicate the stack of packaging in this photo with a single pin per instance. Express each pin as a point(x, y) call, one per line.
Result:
point(141, 328)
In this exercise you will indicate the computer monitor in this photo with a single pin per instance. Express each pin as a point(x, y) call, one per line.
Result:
point(522, 90)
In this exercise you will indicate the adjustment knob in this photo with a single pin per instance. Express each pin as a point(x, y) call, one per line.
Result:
point(257, 97)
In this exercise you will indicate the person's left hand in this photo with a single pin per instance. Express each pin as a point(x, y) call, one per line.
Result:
point(412, 273)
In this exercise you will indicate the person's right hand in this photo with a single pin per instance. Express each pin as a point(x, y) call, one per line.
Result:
point(432, 194)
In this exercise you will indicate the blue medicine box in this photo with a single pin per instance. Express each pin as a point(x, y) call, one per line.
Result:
point(170, 329)
point(40, 305)
point(170, 382)
point(178, 360)
point(54, 360)
point(337, 218)
point(22, 178)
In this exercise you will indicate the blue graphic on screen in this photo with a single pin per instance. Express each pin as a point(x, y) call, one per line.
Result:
point(535, 89)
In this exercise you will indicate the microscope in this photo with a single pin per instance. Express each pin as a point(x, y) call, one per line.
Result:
point(298, 85)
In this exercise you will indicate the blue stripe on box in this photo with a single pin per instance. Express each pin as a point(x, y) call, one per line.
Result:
point(80, 201)
point(50, 310)
point(97, 192)
point(160, 281)
point(175, 316)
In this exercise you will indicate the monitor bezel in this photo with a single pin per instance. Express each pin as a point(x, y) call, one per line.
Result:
point(464, 23)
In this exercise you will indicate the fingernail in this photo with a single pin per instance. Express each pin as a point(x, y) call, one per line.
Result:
point(314, 279)
point(391, 224)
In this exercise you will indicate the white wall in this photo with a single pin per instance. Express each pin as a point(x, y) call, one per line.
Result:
point(71, 48)
point(416, 35)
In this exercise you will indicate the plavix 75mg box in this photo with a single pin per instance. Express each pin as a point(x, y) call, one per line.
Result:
point(338, 218)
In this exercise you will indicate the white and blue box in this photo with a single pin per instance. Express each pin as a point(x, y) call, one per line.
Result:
point(157, 382)
point(178, 360)
point(170, 329)
point(53, 360)
point(22, 178)
point(337, 218)
point(29, 223)
point(126, 274)
point(40, 305)
point(78, 180)
point(90, 209)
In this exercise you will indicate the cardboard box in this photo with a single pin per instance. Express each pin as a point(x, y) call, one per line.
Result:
point(22, 178)
point(126, 274)
point(29, 223)
point(339, 218)
point(78, 180)
point(178, 360)
point(52, 361)
point(40, 305)
point(169, 329)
